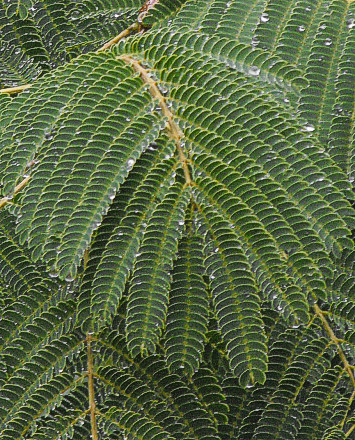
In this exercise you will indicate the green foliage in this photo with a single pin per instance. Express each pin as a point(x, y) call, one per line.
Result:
point(177, 220)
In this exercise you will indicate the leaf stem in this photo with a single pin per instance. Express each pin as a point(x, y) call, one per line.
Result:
point(17, 89)
point(347, 435)
point(5, 200)
point(92, 404)
point(349, 407)
point(174, 130)
point(119, 37)
point(335, 341)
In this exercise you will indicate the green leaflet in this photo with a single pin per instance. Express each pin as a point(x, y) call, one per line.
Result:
point(38, 35)
point(40, 403)
point(148, 295)
point(234, 19)
point(121, 233)
point(317, 415)
point(188, 308)
point(18, 7)
point(185, 218)
point(133, 424)
point(235, 300)
point(106, 142)
point(284, 396)
point(122, 249)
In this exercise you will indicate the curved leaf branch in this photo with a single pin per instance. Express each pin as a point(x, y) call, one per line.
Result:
point(173, 129)
point(6, 200)
point(92, 403)
point(335, 341)
point(119, 37)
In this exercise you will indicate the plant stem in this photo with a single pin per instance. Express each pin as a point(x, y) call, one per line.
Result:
point(175, 132)
point(17, 89)
point(335, 341)
point(347, 435)
point(119, 37)
point(92, 404)
point(5, 200)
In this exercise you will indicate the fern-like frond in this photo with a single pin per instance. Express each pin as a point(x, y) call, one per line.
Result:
point(44, 232)
point(17, 270)
point(278, 418)
point(235, 299)
point(334, 433)
point(180, 410)
point(40, 404)
point(313, 36)
point(39, 35)
point(112, 271)
point(177, 220)
point(136, 426)
point(148, 295)
point(34, 371)
point(18, 7)
point(316, 416)
point(188, 308)
point(69, 421)
point(324, 65)
point(228, 18)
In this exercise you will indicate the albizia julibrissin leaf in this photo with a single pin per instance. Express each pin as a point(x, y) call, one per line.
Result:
point(273, 207)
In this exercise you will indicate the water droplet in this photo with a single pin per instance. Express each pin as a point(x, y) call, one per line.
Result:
point(254, 41)
point(350, 23)
point(264, 17)
point(75, 14)
point(130, 163)
point(309, 127)
point(254, 71)
point(301, 28)
point(328, 42)
point(112, 194)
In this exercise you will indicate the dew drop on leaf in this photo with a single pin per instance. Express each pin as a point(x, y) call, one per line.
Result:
point(130, 163)
point(264, 17)
point(309, 127)
point(254, 71)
